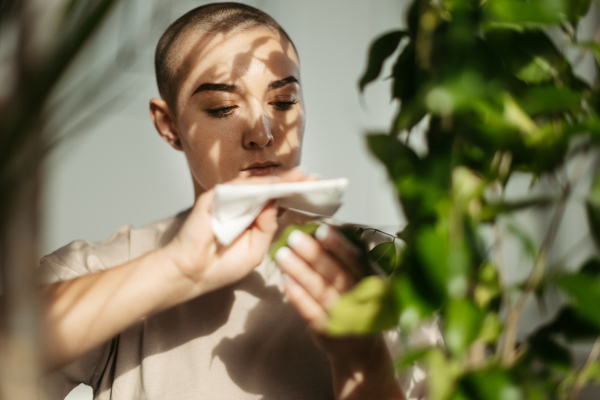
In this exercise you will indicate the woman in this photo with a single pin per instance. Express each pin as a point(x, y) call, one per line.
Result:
point(167, 312)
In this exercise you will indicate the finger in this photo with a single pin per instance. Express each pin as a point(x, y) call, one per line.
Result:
point(307, 307)
point(340, 247)
point(266, 220)
point(296, 268)
point(318, 258)
point(254, 242)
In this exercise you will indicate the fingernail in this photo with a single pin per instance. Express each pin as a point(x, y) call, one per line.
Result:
point(285, 277)
point(283, 253)
point(295, 238)
point(315, 176)
point(298, 169)
point(322, 232)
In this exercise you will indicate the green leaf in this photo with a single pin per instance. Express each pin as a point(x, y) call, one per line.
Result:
point(526, 13)
point(593, 213)
point(466, 186)
point(549, 351)
point(593, 209)
point(442, 375)
point(570, 325)
point(421, 184)
point(384, 255)
point(490, 384)
point(577, 9)
point(491, 328)
point(380, 50)
point(593, 47)
point(549, 99)
point(309, 228)
point(537, 71)
point(532, 57)
point(411, 357)
point(514, 115)
point(433, 252)
point(463, 324)
point(369, 307)
point(591, 267)
point(488, 287)
point(406, 75)
point(584, 290)
point(458, 93)
point(415, 298)
point(410, 114)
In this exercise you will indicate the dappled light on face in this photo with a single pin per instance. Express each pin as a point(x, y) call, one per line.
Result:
point(240, 105)
point(230, 66)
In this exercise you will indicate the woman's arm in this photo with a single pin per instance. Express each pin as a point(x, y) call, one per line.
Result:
point(321, 270)
point(85, 312)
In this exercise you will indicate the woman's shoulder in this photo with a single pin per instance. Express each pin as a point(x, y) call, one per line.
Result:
point(82, 257)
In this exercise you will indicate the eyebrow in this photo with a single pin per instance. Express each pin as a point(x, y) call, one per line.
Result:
point(224, 87)
point(218, 87)
point(282, 82)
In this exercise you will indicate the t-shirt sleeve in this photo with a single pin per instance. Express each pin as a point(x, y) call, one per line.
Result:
point(72, 261)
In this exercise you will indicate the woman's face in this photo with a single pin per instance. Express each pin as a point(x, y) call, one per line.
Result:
point(239, 109)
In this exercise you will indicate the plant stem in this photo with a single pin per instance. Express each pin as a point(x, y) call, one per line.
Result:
point(585, 369)
point(507, 349)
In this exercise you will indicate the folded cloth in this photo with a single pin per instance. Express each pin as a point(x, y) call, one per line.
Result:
point(235, 207)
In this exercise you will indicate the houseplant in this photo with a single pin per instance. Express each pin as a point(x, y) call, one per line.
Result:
point(504, 105)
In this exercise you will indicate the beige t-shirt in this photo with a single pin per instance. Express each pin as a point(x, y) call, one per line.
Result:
point(240, 342)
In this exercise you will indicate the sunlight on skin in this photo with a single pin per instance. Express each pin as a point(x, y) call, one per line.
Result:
point(352, 384)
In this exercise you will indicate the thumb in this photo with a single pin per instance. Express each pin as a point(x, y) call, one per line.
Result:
point(258, 237)
point(266, 221)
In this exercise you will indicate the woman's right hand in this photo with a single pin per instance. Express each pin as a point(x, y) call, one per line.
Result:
point(84, 312)
point(208, 265)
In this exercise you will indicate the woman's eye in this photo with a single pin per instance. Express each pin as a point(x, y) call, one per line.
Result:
point(220, 112)
point(284, 105)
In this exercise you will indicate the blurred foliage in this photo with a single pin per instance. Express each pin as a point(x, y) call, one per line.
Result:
point(502, 100)
point(37, 72)
point(52, 89)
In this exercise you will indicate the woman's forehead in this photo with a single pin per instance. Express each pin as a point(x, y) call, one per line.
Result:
point(231, 56)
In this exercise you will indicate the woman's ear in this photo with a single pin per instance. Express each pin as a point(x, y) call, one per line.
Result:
point(163, 121)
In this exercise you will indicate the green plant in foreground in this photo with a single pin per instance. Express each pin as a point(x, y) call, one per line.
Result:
point(503, 102)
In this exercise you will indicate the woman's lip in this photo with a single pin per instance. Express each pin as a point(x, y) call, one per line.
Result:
point(261, 171)
point(261, 165)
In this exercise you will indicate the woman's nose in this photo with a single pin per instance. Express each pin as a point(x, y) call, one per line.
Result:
point(258, 134)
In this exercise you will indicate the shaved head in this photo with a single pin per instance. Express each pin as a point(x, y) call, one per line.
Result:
point(205, 21)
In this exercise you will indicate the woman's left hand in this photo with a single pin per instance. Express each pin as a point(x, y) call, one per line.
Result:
point(320, 270)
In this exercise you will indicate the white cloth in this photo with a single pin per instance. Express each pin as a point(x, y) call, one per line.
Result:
point(236, 206)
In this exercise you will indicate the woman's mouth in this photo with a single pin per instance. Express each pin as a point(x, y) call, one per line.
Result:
point(261, 169)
